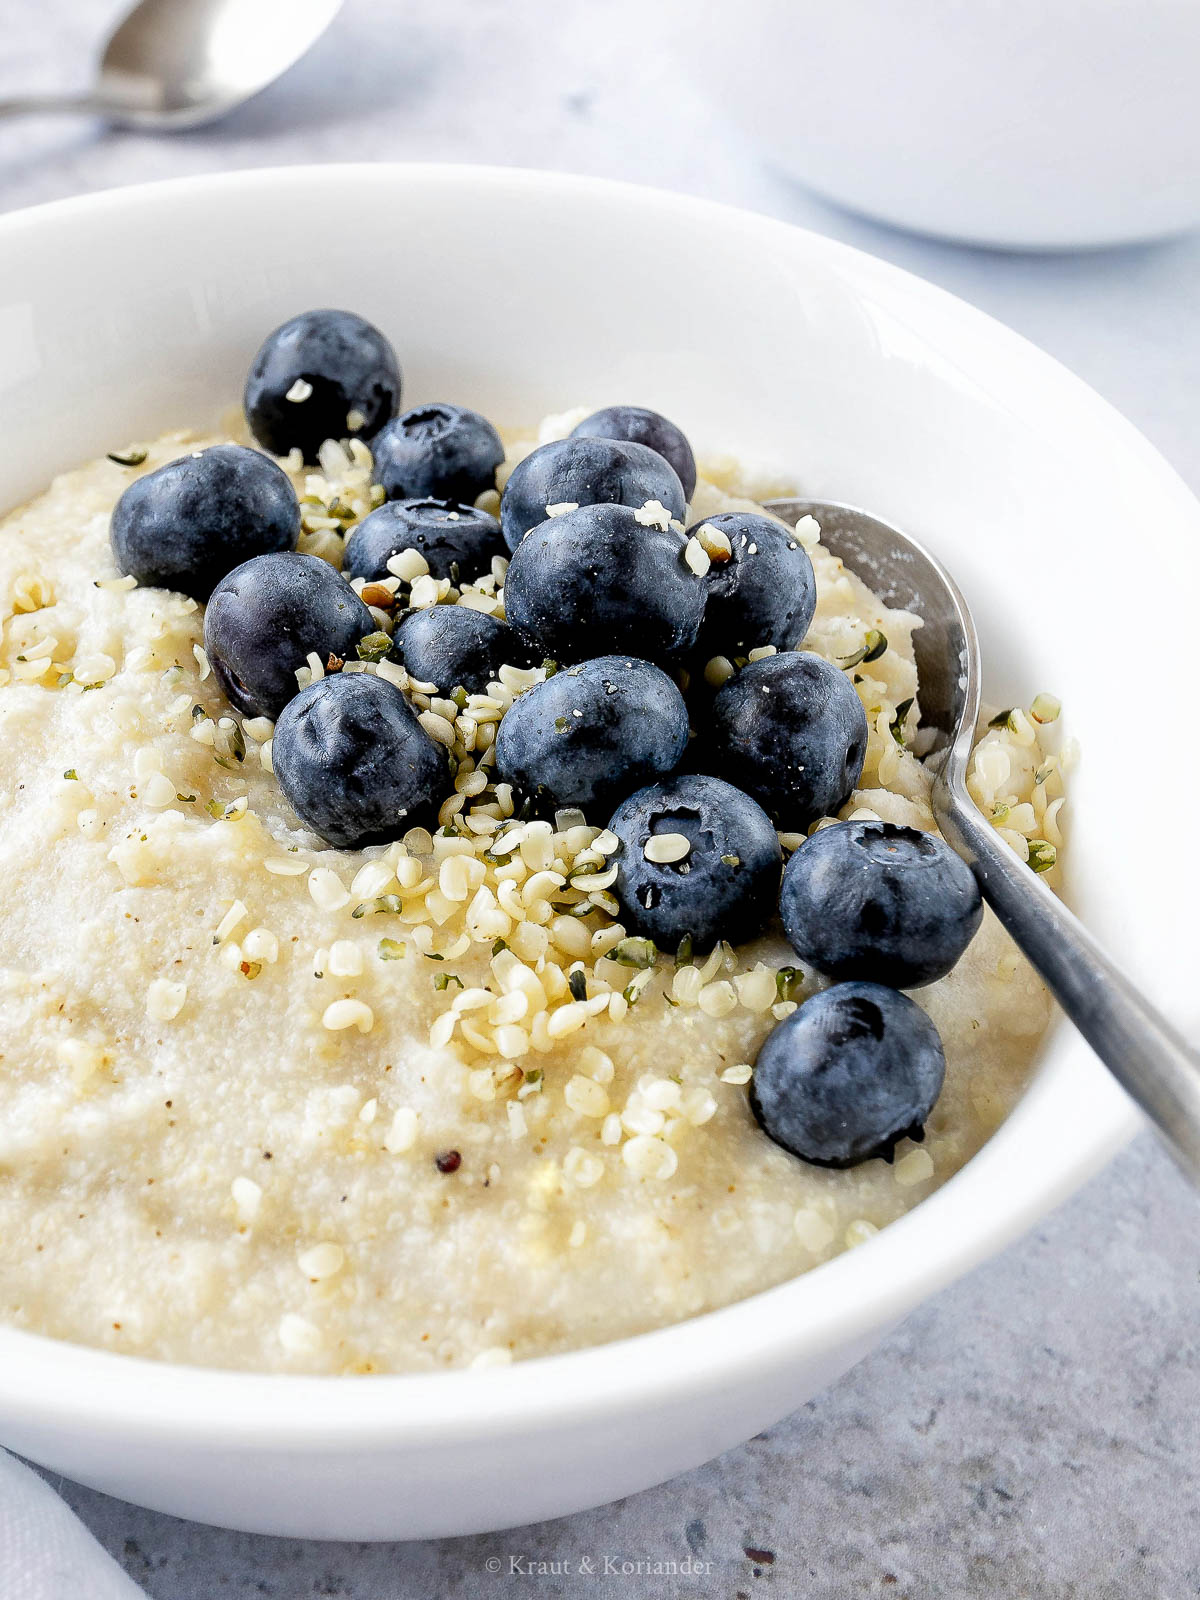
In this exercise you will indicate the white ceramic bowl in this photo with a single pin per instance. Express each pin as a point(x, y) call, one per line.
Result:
point(125, 313)
point(1041, 124)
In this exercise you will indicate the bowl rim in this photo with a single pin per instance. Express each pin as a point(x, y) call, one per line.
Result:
point(80, 1389)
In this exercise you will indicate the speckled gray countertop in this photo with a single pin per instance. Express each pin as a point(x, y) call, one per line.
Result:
point(1030, 1435)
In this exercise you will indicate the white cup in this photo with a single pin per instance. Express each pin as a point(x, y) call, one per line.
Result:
point(1042, 124)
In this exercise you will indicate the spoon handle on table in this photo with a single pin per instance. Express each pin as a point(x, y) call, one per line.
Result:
point(53, 105)
point(1141, 1049)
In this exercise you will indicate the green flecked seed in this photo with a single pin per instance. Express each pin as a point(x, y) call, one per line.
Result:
point(897, 724)
point(577, 983)
point(876, 643)
point(130, 458)
point(392, 949)
point(1042, 855)
point(684, 953)
point(443, 980)
point(637, 987)
point(500, 944)
point(731, 861)
point(71, 773)
point(787, 982)
point(374, 646)
point(230, 741)
point(873, 645)
point(1003, 719)
point(633, 952)
point(229, 813)
point(385, 903)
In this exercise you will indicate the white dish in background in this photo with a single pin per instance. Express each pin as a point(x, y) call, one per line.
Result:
point(129, 312)
point(1033, 124)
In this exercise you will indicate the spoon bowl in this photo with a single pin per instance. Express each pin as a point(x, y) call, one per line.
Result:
point(906, 577)
point(1148, 1058)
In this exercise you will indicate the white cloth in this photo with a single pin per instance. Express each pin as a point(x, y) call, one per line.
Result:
point(46, 1553)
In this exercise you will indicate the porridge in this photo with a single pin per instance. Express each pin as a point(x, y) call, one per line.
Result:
point(399, 1062)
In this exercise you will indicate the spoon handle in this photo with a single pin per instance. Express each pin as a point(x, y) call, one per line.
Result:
point(1138, 1046)
point(52, 105)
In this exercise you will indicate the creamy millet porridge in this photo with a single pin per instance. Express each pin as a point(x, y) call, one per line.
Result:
point(271, 1105)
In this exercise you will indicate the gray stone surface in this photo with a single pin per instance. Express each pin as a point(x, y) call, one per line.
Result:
point(1033, 1432)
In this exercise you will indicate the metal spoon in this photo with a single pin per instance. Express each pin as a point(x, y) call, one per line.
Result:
point(175, 64)
point(1137, 1045)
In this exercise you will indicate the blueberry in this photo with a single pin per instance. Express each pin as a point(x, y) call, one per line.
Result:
point(763, 593)
point(726, 884)
point(264, 619)
point(457, 541)
point(855, 1069)
point(636, 425)
point(878, 902)
point(591, 734)
point(586, 472)
point(188, 524)
point(791, 729)
point(596, 580)
point(356, 765)
point(437, 452)
point(455, 646)
point(322, 375)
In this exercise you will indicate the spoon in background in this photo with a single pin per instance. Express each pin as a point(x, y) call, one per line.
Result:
point(1139, 1047)
point(173, 64)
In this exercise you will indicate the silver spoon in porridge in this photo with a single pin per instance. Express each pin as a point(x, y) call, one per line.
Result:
point(1140, 1048)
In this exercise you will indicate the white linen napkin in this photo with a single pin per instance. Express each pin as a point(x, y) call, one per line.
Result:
point(46, 1553)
